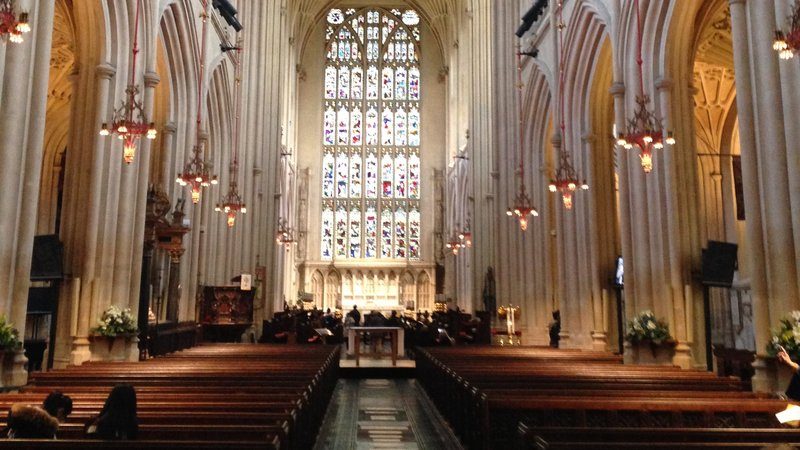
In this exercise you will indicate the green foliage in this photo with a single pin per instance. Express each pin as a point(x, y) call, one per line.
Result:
point(114, 322)
point(787, 334)
point(9, 336)
point(646, 328)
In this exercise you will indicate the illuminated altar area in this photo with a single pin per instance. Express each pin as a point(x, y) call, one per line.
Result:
point(384, 289)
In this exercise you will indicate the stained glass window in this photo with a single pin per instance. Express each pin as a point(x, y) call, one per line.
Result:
point(371, 168)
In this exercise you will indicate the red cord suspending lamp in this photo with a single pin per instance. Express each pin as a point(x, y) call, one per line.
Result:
point(523, 207)
point(644, 130)
point(566, 181)
point(129, 122)
point(197, 172)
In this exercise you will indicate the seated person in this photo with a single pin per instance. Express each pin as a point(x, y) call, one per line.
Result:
point(30, 422)
point(117, 420)
point(58, 405)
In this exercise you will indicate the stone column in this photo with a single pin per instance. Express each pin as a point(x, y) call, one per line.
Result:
point(683, 353)
point(763, 381)
point(82, 307)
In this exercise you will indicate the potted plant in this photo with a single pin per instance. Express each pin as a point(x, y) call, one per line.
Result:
point(646, 330)
point(115, 323)
point(9, 337)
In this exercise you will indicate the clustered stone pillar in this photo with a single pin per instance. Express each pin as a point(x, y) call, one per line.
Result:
point(25, 69)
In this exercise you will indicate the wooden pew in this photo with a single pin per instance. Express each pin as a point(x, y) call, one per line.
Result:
point(485, 392)
point(232, 396)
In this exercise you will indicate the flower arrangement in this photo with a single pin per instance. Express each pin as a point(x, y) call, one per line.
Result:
point(787, 335)
point(115, 322)
point(646, 328)
point(9, 336)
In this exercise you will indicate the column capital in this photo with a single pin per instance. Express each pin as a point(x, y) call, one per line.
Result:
point(664, 84)
point(105, 71)
point(151, 79)
point(589, 138)
point(617, 89)
point(737, 2)
point(170, 128)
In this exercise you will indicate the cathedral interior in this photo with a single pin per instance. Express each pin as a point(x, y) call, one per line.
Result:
point(544, 185)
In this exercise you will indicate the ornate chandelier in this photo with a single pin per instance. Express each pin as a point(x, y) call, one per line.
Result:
point(523, 207)
point(284, 235)
point(233, 204)
point(644, 130)
point(11, 26)
point(786, 44)
point(566, 180)
point(454, 244)
point(129, 122)
point(197, 172)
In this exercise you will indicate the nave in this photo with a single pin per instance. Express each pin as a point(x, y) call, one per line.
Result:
point(247, 396)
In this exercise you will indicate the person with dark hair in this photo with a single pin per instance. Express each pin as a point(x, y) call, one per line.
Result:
point(117, 420)
point(58, 405)
point(30, 422)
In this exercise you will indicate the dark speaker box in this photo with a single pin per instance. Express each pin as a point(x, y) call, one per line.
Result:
point(719, 263)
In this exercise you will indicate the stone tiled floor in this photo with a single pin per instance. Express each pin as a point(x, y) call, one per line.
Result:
point(383, 414)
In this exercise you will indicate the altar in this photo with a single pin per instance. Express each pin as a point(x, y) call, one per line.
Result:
point(398, 337)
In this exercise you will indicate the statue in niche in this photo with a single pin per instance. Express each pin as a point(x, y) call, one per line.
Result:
point(489, 295)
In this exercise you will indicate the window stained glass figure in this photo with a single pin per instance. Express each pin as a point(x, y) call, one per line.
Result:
point(413, 84)
point(400, 84)
point(343, 124)
point(341, 175)
point(400, 176)
point(371, 168)
point(387, 83)
point(355, 233)
point(344, 82)
point(386, 233)
point(372, 83)
point(400, 234)
point(388, 128)
point(372, 176)
point(327, 175)
point(341, 232)
point(355, 176)
point(357, 126)
point(327, 233)
point(357, 85)
point(414, 234)
point(414, 170)
point(413, 127)
point(370, 233)
point(400, 128)
point(372, 126)
point(330, 82)
point(387, 178)
point(330, 127)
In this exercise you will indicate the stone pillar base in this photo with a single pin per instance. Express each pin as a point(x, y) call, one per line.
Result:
point(120, 348)
point(14, 373)
point(683, 356)
point(645, 354)
point(599, 341)
point(765, 377)
point(80, 351)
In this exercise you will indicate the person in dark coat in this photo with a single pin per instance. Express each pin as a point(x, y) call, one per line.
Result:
point(58, 405)
point(356, 315)
point(117, 420)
